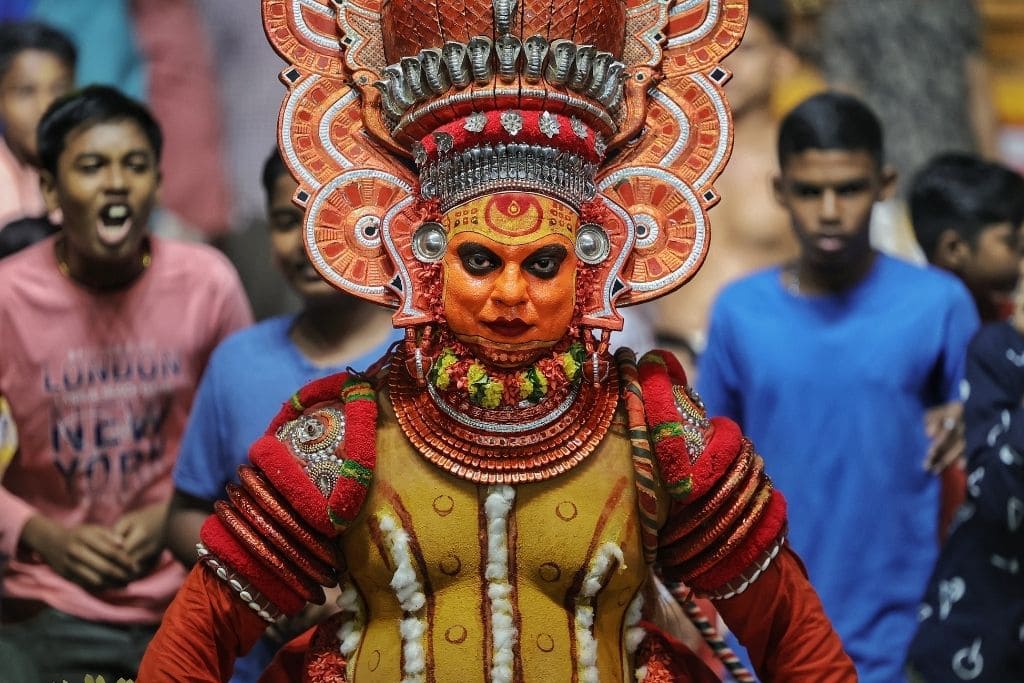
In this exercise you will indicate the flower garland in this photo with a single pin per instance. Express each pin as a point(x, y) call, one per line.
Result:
point(597, 577)
point(409, 592)
point(492, 389)
point(350, 633)
point(497, 507)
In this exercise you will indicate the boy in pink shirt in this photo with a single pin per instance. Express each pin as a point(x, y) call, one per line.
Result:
point(37, 65)
point(106, 332)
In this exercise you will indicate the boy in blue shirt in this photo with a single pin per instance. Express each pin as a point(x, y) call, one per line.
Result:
point(255, 370)
point(829, 363)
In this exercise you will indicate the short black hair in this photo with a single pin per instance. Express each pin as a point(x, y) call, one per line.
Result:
point(18, 36)
point(828, 121)
point(273, 168)
point(24, 232)
point(86, 107)
point(774, 14)
point(963, 193)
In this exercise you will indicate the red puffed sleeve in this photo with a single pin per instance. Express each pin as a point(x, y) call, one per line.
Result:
point(780, 620)
point(725, 521)
point(202, 633)
point(271, 546)
point(272, 540)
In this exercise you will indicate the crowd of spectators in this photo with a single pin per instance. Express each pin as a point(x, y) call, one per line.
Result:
point(864, 237)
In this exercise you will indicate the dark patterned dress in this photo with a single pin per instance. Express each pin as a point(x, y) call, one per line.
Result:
point(972, 617)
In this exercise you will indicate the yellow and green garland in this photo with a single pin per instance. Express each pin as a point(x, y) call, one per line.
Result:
point(490, 389)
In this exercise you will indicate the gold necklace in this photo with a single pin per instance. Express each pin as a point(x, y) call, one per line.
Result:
point(65, 270)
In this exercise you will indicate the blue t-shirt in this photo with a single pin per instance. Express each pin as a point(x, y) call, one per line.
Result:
point(249, 376)
point(832, 391)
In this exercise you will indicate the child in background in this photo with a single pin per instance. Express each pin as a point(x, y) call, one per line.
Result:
point(829, 364)
point(967, 214)
point(751, 230)
point(37, 65)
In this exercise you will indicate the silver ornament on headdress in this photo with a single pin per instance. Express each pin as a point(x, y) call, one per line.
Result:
point(429, 242)
point(592, 244)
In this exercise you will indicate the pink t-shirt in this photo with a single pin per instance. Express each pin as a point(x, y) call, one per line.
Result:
point(99, 386)
point(20, 195)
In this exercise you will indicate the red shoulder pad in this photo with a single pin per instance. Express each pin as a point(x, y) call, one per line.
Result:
point(328, 430)
point(725, 522)
point(308, 480)
point(693, 452)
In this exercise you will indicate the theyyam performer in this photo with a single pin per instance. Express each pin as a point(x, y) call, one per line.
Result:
point(497, 496)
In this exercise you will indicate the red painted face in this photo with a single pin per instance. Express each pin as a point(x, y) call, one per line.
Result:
point(510, 275)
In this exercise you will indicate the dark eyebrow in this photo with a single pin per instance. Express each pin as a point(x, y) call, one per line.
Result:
point(550, 251)
point(858, 182)
point(469, 248)
point(100, 156)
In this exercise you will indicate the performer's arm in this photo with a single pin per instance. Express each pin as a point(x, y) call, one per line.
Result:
point(780, 620)
point(724, 534)
point(269, 549)
point(202, 633)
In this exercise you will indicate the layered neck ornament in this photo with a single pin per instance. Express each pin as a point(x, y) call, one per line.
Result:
point(492, 426)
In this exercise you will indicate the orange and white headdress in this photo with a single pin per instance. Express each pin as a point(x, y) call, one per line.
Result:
point(399, 111)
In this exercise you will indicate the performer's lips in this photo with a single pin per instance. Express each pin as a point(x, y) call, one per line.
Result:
point(509, 327)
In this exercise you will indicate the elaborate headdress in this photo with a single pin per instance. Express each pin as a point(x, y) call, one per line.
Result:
point(613, 107)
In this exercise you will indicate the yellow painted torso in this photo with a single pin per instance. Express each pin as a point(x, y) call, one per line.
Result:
point(555, 531)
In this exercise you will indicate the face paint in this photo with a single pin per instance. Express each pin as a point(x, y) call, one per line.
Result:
point(510, 275)
point(512, 218)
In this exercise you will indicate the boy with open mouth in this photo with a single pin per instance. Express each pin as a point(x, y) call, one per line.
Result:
point(106, 331)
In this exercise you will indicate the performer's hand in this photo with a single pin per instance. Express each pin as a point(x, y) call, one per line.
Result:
point(944, 425)
point(142, 536)
point(89, 555)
